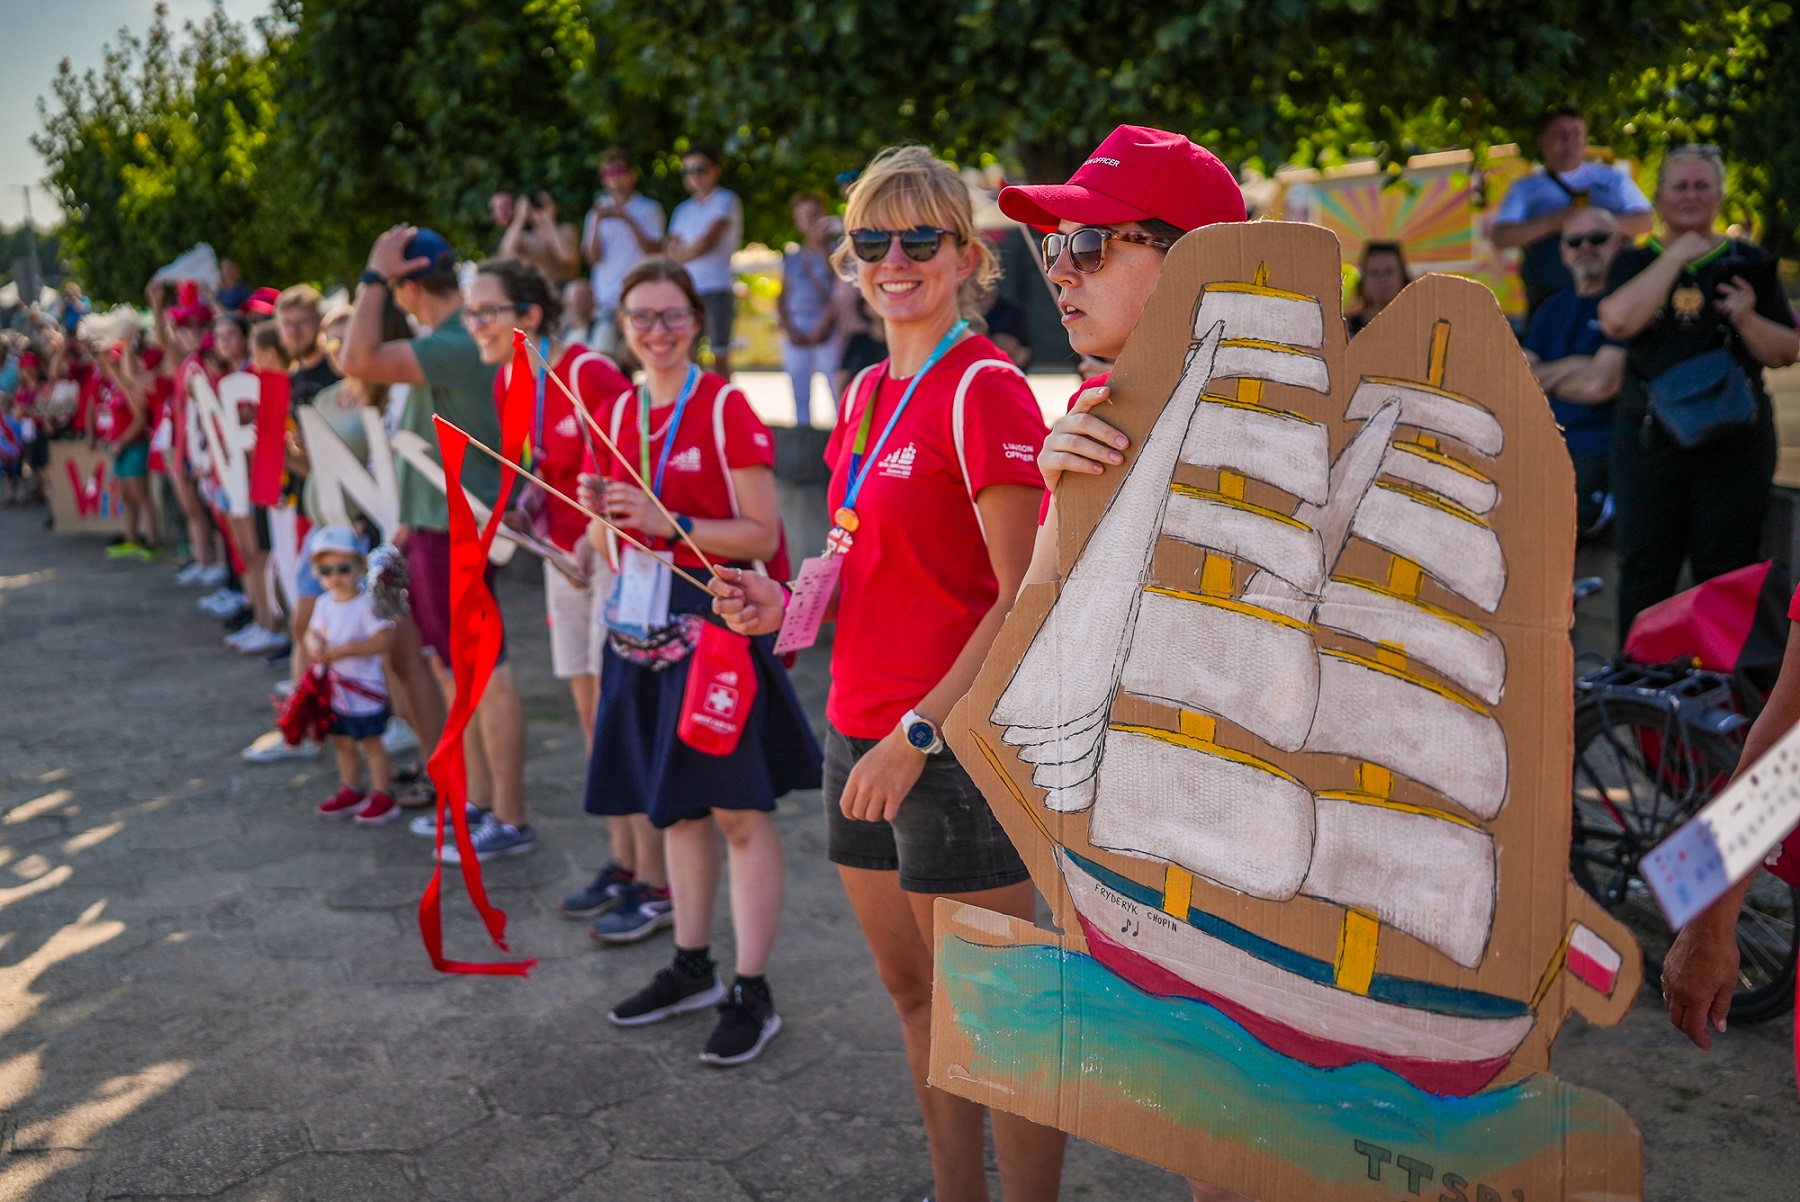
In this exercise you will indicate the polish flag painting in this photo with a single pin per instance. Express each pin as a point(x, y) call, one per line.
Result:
point(1592, 960)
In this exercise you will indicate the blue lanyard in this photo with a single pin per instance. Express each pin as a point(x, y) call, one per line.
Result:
point(867, 463)
point(537, 421)
point(662, 462)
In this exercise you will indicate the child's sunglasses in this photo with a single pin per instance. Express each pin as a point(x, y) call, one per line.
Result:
point(1087, 246)
point(920, 243)
point(325, 570)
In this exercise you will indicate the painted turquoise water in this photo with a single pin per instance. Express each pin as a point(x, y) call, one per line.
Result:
point(1055, 1016)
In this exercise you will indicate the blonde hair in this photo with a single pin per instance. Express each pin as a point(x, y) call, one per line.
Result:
point(300, 296)
point(1705, 152)
point(906, 185)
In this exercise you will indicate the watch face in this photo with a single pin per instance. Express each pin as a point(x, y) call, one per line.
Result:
point(919, 735)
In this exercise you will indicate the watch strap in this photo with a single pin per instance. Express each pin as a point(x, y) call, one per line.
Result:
point(371, 276)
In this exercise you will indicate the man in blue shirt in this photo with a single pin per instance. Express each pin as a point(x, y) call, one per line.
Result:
point(1534, 209)
point(1577, 366)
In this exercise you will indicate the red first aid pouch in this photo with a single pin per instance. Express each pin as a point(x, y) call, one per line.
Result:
point(721, 688)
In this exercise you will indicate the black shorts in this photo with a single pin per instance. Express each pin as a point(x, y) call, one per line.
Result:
point(943, 839)
point(720, 311)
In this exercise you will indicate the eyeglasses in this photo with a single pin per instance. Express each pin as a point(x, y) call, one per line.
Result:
point(1087, 246)
point(920, 243)
point(1597, 238)
point(676, 321)
point(486, 315)
point(326, 570)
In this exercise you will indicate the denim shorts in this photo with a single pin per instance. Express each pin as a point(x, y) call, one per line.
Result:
point(360, 726)
point(943, 839)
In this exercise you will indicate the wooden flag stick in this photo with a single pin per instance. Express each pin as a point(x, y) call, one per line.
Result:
point(623, 461)
point(496, 455)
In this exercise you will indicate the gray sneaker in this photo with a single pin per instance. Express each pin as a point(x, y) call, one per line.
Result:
point(425, 825)
point(641, 912)
point(495, 838)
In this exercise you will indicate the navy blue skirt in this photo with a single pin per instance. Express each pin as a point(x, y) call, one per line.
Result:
point(640, 765)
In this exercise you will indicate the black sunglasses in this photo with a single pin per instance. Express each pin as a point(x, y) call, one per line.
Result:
point(920, 243)
point(334, 569)
point(1597, 238)
point(1087, 246)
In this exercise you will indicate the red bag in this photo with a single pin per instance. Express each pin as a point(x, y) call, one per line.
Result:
point(721, 689)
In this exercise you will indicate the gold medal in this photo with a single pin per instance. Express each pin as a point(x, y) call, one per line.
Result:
point(1687, 301)
point(845, 517)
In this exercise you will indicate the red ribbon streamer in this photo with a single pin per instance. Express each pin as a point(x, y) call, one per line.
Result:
point(475, 634)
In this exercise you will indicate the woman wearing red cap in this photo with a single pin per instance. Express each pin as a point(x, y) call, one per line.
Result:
point(1107, 232)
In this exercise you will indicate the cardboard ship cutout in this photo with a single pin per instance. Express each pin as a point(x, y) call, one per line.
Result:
point(1288, 750)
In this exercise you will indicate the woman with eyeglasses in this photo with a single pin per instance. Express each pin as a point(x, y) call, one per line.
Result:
point(1380, 275)
point(507, 294)
point(1687, 293)
point(695, 441)
point(934, 492)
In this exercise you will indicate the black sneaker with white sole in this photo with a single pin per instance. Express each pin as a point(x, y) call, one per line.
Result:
point(747, 1022)
point(673, 992)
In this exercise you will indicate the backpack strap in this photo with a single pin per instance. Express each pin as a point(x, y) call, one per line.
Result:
point(959, 424)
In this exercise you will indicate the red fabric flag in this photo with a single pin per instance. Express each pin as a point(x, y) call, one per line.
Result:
point(268, 460)
point(475, 634)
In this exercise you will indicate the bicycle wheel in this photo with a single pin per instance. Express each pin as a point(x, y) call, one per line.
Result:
point(1638, 776)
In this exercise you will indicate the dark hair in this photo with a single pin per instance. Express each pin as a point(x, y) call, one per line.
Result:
point(1380, 248)
point(661, 269)
point(1557, 114)
point(524, 284)
point(440, 278)
point(266, 336)
point(238, 320)
point(613, 156)
point(1156, 227)
point(705, 150)
point(540, 197)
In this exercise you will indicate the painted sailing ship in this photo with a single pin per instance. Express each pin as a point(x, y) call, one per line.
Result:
point(1403, 687)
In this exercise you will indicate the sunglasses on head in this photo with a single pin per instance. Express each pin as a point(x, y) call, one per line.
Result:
point(1597, 238)
point(676, 321)
point(325, 570)
point(920, 243)
point(1087, 246)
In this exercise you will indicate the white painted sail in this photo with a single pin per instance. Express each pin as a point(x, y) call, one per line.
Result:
point(1455, 547)
point(1353, 472)
point(1428, 876)
point(1224, 815)
point(1254, 668)
point(1439, 473)
point(1071, 800)
point(1288, 548)
point(1253, 358)
point(1371, 712)
point(1276, 316)
point(1271, 445)
point(1071, 668)
point(1433, 409)
point(1068, 745)
point(1452, 646)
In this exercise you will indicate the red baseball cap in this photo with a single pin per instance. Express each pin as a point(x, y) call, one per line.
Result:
point(1134, 174)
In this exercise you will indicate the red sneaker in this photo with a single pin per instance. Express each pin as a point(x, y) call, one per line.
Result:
point(381, 808)
point(342, 804)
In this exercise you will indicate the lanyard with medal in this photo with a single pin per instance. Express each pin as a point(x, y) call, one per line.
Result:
point(639, 602)
point(812, 590)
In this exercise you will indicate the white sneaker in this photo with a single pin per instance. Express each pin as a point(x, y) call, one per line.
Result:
point(213, 575)
point(272, 746)
point(399, 738)
point(240, 639)
point(261, 642)
point(224, 603)
point(190, 574)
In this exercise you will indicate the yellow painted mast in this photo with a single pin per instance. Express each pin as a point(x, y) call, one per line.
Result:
point(1360, 939)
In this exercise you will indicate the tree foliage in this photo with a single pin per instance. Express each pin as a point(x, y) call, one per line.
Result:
point(291, 145)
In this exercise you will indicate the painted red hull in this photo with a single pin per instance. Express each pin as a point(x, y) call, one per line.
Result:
point(1450, 1078)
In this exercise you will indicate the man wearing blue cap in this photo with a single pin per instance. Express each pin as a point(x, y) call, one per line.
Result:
point(445, 375)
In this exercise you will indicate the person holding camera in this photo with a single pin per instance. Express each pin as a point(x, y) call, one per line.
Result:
point(536, 236)
point(623, 228)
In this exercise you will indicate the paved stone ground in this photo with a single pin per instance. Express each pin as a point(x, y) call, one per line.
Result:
point(205, 991)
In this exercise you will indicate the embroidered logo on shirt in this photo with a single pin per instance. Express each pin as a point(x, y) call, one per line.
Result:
point(898, 463)
point(761, 440)
point(686, 461)
point(566, 427)
point(1019, 450)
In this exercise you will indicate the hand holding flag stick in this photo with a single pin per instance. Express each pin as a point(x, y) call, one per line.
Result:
point(567, 500)
point(623, 461)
